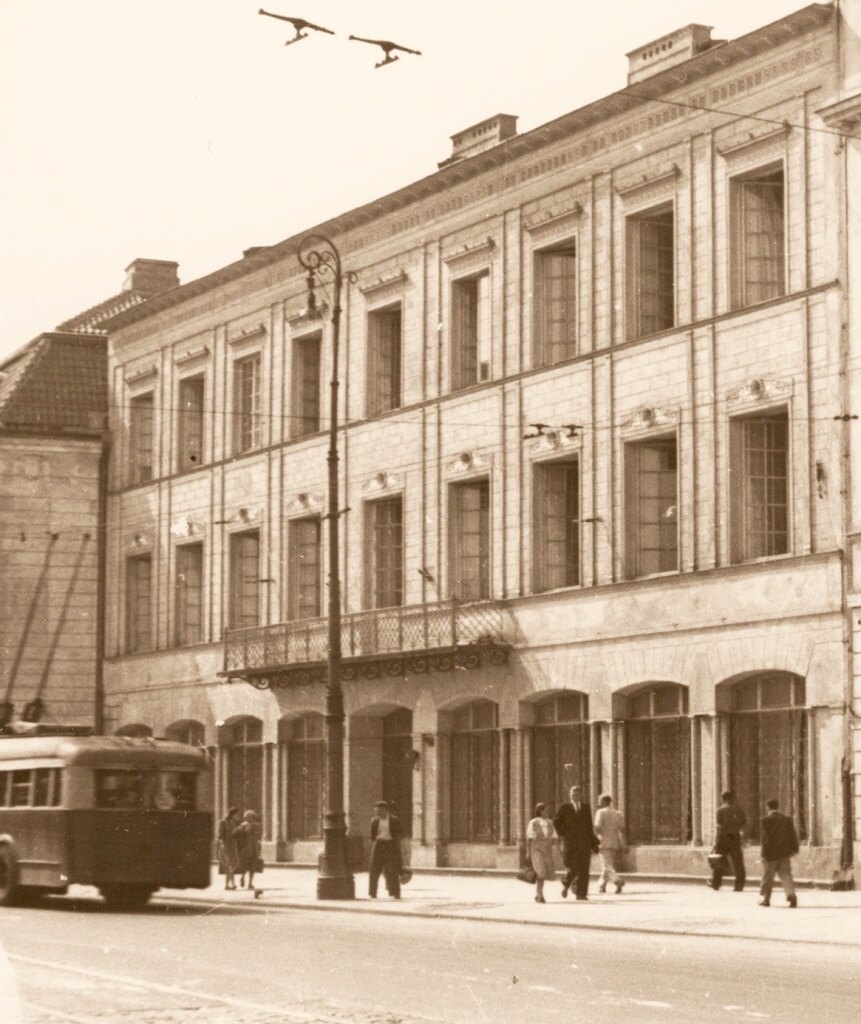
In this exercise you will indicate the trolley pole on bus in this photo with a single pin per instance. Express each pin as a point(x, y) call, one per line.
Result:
point(319, 256)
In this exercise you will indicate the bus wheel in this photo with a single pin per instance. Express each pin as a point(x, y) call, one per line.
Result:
point(128, 897)
point(9, 889)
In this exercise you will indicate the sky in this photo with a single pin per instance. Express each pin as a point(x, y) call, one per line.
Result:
point(186, 130)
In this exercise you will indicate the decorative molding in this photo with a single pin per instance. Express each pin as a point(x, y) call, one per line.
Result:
point(844, 114)
point(466, 254)
point(244, 516)
point(248, 334)
point(631, 188)
point(741, 145)
point(302, 504)
point(760, 391)
point(192, 355)
point(139, 542)
point(184, 528)
point(470, 464)
point(651, 419)
point(555, 442)
point(551, 220)
point(303, 320)
point(382, 483)
point(141, 375)
point(382, 283)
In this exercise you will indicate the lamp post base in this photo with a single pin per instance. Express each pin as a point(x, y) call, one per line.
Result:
point(335, 880)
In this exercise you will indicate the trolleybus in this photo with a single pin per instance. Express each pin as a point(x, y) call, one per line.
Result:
point(126, 815)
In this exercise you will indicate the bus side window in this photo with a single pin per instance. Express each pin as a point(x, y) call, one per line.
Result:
point(57, 790)
point(41, 787)
point(4, 787)
point(20, 788)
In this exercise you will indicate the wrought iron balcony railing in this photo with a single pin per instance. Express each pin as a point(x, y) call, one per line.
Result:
point(414, 638)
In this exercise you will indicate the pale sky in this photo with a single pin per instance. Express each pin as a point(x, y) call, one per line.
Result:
point(185, 130)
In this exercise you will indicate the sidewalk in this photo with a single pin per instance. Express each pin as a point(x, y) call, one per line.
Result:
point(671, 907)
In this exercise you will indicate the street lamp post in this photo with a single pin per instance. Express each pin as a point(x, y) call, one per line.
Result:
point(319, 256)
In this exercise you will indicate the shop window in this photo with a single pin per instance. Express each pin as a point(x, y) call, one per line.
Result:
point(657, 765)
point(474, 773)
point(768, 747)
point(243, 741)
point(560, 748)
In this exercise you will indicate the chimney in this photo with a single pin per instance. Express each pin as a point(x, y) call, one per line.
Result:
point(480, 137)
point(151, 277)
point(669, 50)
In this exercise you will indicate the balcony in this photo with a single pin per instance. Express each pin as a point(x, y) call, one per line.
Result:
point(387, 641)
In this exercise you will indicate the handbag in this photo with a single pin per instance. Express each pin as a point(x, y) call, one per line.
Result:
point(258, 866)
point(717, 861)
point(527, 874)
point(406, 876)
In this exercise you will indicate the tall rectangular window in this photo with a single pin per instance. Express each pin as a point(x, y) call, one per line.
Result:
point(651, 508)
point(139, 603)
point(190, 433)
point(556, 526)
point(188, 624)
point(757, 237)
point(141, 438)
point(759, 469)
point(306, 386)
point(555, 305)
point(384, 544)
point(244, 580)
point(384, 360)
point(304, 599)
point(470, 310)
point(247, 428)
point(469, 540)
point(650, 266)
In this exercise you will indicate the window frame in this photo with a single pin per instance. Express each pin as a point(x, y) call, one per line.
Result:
point(295, 585)
point(306, 401)
point(541, 569)
point(634, 549)
point(456, 536)
point(185, 460)
point(247, 403)
point(471, 329)
point(239, 593)
point(384, 393)
point(542, 346)
point(181, 636)
point(134, 605)
point(375, 595)
point(740, 547)
point(141, 438)
point(737, 230)
point(637, 320)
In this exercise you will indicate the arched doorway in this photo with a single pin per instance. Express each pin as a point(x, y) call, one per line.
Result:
point(189, 732)
point(382, 762)
point(657, 740)
point(474, 773)
point(242, 742)
point(768, 746)
point(560, 748)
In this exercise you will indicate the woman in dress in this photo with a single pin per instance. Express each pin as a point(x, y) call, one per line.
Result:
point(248, 839)
point(540, 846)
point(228, 850)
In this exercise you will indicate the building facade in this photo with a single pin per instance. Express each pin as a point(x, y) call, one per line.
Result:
point(596, 435)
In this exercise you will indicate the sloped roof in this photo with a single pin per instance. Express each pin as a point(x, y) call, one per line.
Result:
point(90, 320)
point(56, 385)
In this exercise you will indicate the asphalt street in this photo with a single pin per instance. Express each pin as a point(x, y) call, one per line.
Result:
point(76, 961)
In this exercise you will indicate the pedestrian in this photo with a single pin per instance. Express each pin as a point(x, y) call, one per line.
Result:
point(541, 848)
point(248, 836)
point(228, 850)
point(386, 832)
point(729, 825)
point(610, 829)
point(779, 846)
point(573, 823)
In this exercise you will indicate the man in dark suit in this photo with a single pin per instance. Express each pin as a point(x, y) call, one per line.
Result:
point(573, 823)
point(779, 845)
point(386, 833)
point(728, 829)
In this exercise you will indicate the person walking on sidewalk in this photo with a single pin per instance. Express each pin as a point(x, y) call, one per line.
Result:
point(541, 847)
point(610, 830)
point(729, 825)
point(386, 832)
point(228, 849)
point(248, 837)
point(573, 823)
point(779, 846)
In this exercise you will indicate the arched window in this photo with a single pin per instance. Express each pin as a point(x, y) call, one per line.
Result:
point(657, 765)
point(560, 748)
point(398, 765)
point(768, 747)
point(305, 776)
point(189, 732)
point(244, 740)
point(137, 730)
point(474, 773)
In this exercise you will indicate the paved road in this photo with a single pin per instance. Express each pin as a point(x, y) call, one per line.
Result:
point(77, 962)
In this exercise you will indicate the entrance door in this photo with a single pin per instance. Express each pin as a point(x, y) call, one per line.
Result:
point(398, 765)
